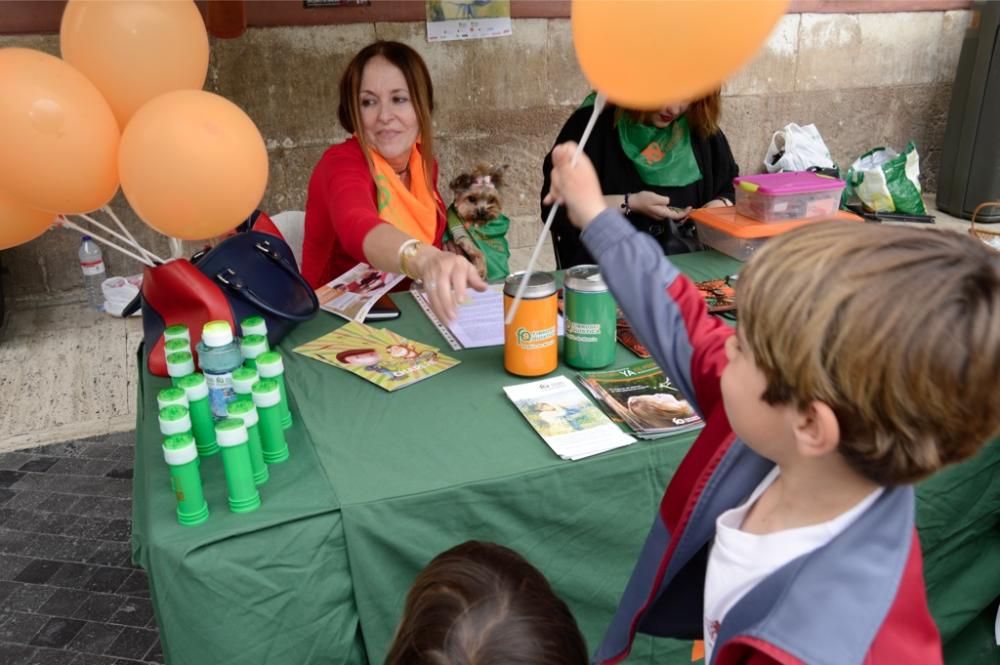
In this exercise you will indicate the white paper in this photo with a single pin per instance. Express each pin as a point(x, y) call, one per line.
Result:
point(353, 294)
point(479, 322)
point(571, 425)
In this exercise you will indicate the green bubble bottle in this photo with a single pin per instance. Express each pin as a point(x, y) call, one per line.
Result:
point(181, 456)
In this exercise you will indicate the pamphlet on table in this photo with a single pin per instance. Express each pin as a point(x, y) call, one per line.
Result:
point(479, 322)
point(388, 360)
point(641, 397)
point(565, 419)
point(353, 294)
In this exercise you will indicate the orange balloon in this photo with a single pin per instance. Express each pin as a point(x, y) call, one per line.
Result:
point(135, 50)
point(193, 164)
point(20, 223)
point(644, 54)
point(58, 135)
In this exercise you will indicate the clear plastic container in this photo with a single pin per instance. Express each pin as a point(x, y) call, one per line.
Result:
point(738, 236)
point(781, 197)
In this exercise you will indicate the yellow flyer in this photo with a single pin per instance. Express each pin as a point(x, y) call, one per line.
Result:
point(388, 360)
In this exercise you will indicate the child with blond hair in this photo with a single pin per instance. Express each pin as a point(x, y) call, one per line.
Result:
point(866, 358)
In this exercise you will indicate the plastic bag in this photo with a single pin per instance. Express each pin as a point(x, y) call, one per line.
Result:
point(796, 148)
point(887, 181)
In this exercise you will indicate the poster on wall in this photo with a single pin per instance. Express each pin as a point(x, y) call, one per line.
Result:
point(467, 19)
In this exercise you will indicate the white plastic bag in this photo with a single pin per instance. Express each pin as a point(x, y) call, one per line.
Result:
point(119, 292)
point(796, 148)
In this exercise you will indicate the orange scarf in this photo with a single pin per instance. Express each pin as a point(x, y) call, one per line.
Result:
point(413, 211)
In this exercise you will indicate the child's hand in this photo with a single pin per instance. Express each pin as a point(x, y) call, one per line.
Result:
point(576, 187)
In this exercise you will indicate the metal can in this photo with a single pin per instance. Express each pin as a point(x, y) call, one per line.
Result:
point(590, 319)
point(530, 341)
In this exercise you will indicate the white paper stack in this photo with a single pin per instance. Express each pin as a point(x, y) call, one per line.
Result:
point(567, 421)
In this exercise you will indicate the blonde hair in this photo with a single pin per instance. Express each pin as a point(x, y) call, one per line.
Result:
point(703, 114)
point(896, 329)
point(418, 80)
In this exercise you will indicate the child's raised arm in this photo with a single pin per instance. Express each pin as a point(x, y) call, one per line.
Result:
point(666, 311)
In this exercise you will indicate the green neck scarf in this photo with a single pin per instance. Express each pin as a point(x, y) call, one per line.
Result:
point(663, 157)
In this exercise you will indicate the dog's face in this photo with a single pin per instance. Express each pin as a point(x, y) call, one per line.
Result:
point(477, 194)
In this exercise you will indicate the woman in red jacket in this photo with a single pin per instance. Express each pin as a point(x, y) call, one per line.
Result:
point(373, 198)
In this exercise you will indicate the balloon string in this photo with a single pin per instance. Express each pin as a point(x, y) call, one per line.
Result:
point(598, 107)
point(76, 227)
point(143, 250)
point(147, 255)
point(176, 247)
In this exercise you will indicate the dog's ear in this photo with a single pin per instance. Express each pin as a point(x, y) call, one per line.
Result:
point(496, 175)
point(461, 183)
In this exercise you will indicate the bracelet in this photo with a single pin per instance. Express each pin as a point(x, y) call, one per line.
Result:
point(625, 207)
point(407, 251)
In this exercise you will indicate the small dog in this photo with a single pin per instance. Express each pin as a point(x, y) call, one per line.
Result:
point(476, 225)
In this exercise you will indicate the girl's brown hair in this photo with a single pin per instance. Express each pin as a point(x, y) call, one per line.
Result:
point(483, 604)
point(418, 80)
point(703, 114)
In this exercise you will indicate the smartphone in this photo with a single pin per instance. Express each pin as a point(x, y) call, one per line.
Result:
point(383, 310)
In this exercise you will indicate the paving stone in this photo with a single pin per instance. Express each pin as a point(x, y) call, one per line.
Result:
point(39, 571)
point(134, 612)
point(64, 602)
point(132, 643)
point(73, 575)
point(38, 464)
point(107, 579)
point(99, 607)
point(11, 566)
point(14, 654)
point(21, 627)
point(95, 637)
point(137, 584)
point(57, 633)
point(44, 656)
point(29, 598)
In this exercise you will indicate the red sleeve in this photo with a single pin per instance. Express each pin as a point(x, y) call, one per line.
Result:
point(340, 211)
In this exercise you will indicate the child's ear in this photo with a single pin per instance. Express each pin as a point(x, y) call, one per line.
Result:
point(817, 431)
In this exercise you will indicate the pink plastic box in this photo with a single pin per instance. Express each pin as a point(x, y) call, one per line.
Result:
point(774, 197)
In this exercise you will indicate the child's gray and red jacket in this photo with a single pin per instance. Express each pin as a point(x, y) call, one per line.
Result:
point(860, 599)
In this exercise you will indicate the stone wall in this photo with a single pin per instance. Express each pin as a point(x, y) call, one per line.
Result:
point(864, 79)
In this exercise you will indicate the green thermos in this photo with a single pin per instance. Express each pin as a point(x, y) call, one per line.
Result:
point(590, 319)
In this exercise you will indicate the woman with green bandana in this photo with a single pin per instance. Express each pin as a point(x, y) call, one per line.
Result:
point(654, 166)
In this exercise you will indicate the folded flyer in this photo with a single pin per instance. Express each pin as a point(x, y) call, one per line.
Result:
point(565, 419)
point(388, 360)
point(353, 294)
point(643, 398)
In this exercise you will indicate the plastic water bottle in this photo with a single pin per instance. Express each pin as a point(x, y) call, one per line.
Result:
point(219, 356)
point(92, 265)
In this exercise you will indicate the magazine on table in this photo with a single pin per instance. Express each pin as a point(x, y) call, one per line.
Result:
point(388, 360)
point(353, 294)
point(641, 397)
point(565, 419)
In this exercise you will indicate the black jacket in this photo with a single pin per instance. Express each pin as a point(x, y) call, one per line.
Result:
point(618, 175)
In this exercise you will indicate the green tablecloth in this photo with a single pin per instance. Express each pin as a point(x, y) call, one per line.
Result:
point(378, 483)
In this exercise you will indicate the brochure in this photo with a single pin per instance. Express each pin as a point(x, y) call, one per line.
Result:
point(565, 419)
point(388, 360)
point(480, 319)
point(641, 397)
point(353, 294)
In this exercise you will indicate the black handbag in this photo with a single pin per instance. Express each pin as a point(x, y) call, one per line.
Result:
point(247, 274)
